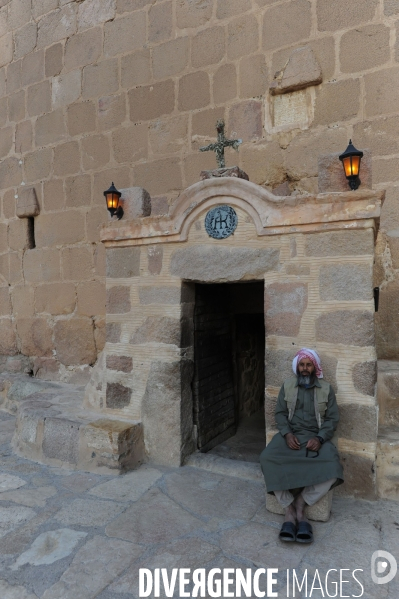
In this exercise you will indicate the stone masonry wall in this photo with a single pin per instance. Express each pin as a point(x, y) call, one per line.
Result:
point(318, 293)
point(128, 90)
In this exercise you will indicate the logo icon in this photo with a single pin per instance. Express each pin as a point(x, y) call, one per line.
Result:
point(380, 560)
point(221, 222)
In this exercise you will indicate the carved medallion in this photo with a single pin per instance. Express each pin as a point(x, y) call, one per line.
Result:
point(221, 222)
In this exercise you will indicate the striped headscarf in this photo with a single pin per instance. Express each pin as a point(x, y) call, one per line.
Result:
point(311, 355)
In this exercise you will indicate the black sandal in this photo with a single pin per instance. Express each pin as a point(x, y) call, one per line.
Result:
point(304, 533)
point(287, 532)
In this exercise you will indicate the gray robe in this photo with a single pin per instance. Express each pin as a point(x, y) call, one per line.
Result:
point(285, 468)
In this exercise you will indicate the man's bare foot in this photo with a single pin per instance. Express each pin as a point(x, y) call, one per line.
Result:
point(290, 514)
point(299, 506)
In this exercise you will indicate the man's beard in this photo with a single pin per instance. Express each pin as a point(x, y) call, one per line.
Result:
point(304, 379)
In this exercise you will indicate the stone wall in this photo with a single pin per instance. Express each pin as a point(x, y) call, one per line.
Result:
point(128, 90)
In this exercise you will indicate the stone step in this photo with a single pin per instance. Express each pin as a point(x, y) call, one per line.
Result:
point(387, 463)
point(388, 393)
point(54, 428)
point(218, 465)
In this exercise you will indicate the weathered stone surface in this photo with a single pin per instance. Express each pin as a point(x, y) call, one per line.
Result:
point(30, 497)
point(150, 102)
point(365, 377)
point(27, 204)
point(136, 203)
point(359, 476)
point(50, 547)
point(74, 341)
point(301, 70)
point(91, 14)
point(118, 300)
point(130, 486)
point(329, 364)
point(222, 264)
point(340, 243)
point(11, 591)
point(358, 422)
point(285, 304)
point(9, 482)
point(157, 520)
point(61, 439)
point(364, 48)
point(99, 561)
point(155, 259)
point(347, 282)
point(387, 336)
point(120, 363)
point(12, 517)
point(278, 366)
point(245, 120)
point(89, 512)
point(123, 262)
point(350, 327)
point(289, 22)
point(113, 444)
point(113, 332)
point(159, 295)
point(35, 336)
point(337, 16)
point(117, 396)
point(159, 329)
point(232, 171)
point(167, 412)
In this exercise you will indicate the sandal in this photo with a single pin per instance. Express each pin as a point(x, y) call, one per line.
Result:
point(287, 532)
point(304, 533)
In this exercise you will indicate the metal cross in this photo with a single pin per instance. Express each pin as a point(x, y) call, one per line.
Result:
point(221, 144)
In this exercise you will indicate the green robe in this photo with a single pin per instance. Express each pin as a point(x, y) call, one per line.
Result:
point(285, 468)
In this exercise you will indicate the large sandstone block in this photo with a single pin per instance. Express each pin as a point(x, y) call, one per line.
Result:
point(194, 91)
point(350, 327)
point(35, 336)
point(123, 262)
point(10, 173)
point(160, 21)
point(381, 91)
point(16, 106)
point(364, 48)
point(95, 151)
point(208, 47)
point(387, 336)
point(337, 15)
point(159, 295)
point(242, 36)
point(158, 329)
point(81, 117)
point(91, 298)
point(118, 300)
point(39, 98)
point(66, 88)
point(160, 176)
point(301, 70)
point(264, 163)
point(359, 476)
point(219, 264)
point(25, 40)
point(91, 13)
point(340, 243)
point(225, 83)
point(245, 120)
point(20, 235)
point(27, 204)
point(348, 282)
point(358, 422)
point(193, 14)
point(290, 22)
point(136, 68)
point(388, 393)
point(57, 25)
point(6, 49)
point(285, 304)
point(63, 228)
point(41, 265)
point(114, 444)
point(253, 76)
point(8, 341)
point(74, 341)
point(53, 60)
point(155, 259)
point(125, 34)
point(170, 58)
point(50, 128)
point(100, 79)
point(364, 376)
point(130, 144)
point(77, 263)
point(56, 299)
point(150, 102)
point(61, 440)
point(337, 101)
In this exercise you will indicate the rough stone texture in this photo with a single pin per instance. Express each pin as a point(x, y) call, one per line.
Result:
point(120, 363)
point(337, 16)
point(351, 327)
point(302, 70)
point(285, 304)
point(74, 341)
point(365, 377)
point(320, 511)
point(159, 295)
point(358, 423)
point(118, 300)
point(123, 263)
point(348, 282)
point(136, 202)
point(159, 329)
point(332, 177)
point(117, 396)
point(222, 264)
point(232, 171)
point(290, 22)
point(387, 336)
point(113, 332)
point(155, 259)
point(359, 476)
point(60, 440)
point(364, 48)
point(340, 243)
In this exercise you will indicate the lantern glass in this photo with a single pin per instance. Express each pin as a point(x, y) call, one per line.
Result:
point(351, 166)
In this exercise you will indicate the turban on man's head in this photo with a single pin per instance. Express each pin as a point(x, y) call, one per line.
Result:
point(311, 355)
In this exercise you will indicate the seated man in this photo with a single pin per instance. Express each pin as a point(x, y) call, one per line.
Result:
point(306, 416)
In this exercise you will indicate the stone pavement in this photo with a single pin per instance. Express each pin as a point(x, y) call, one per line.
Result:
point(74, 535)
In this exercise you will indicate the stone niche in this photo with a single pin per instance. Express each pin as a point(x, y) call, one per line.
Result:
point(314, 256)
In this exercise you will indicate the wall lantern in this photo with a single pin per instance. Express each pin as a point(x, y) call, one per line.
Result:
point(351, 161)
point(112, 196)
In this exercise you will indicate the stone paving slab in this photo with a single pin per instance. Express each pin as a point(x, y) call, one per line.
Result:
point(86, 536)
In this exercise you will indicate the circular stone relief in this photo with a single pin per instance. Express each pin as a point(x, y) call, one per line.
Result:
point(221, 222)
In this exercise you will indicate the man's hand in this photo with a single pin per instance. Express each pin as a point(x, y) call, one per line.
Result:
point(292, 441)
point(313, 444)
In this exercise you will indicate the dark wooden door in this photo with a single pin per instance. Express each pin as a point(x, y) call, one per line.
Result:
point(214, 389)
